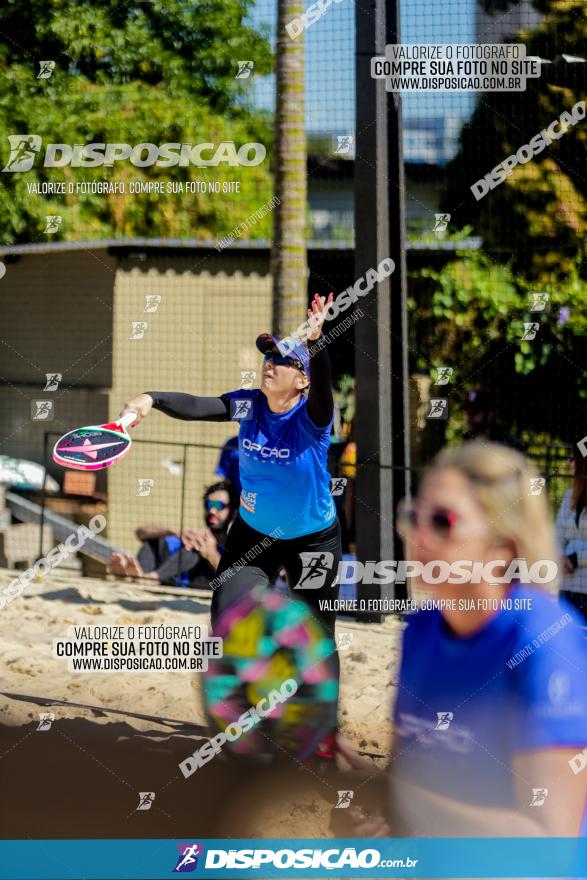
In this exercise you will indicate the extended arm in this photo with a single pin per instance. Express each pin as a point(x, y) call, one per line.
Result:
point(189, 407)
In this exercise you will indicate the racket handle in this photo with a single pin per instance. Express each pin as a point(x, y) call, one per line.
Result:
point(127, 419)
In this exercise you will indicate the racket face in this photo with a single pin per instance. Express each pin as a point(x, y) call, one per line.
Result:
point(270, 639)
point(92, 448)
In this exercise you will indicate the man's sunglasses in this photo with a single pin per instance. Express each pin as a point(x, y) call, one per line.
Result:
point(281, 360)
point(439, 520)
point(215, 505)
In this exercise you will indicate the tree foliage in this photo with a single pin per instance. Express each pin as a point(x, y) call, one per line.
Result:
point(471, 314)
point(538, 216)
point(127, 72)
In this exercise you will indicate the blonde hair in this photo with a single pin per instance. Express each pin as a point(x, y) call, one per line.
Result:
point(500, 479)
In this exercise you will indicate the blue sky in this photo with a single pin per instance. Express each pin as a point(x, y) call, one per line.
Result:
point(330, 47)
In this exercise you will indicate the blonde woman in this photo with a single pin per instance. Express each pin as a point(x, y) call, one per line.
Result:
point(491, 709)
point(571, 528)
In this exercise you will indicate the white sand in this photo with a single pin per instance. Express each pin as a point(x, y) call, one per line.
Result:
point(45, 611)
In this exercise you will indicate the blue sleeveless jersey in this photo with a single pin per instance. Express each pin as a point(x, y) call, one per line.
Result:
point(282, 458)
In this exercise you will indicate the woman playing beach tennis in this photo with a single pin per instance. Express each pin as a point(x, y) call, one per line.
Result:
point(287, 516)
point(287, 519)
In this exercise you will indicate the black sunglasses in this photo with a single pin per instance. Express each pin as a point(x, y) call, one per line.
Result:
point(281, 360)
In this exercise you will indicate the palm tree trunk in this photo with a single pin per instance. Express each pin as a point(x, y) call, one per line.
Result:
point(288, 255)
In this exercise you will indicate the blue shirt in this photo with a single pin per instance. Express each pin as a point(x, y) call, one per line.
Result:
point(282, 463)
point(466, 706)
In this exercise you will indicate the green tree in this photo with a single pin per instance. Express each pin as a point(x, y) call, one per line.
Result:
point(537, 218)
point(470, 315)
point(155, 72)
point(533, 226)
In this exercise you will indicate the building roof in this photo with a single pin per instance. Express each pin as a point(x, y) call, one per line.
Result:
point(187, 244)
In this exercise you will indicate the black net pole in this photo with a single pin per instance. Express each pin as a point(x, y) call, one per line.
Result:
point(398, 308)
point(374, 532)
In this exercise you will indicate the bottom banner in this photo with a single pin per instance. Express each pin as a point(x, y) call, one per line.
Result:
point(226, 858)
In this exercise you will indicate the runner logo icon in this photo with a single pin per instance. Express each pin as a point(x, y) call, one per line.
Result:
point(337, 485)
point(315, 567)
point(438, 408)
point(539, 795)
point(444, 719)
point(146, 799)
point(187, 860)
point(42, 410)
point(23, 149)
point(441, 222)
point(344, 799)
point(53, 380)
point(46, 69)
point(241, 410)
point(46, 719)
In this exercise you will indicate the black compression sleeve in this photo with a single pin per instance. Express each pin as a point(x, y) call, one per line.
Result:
point(320, 399)
point(189, 407)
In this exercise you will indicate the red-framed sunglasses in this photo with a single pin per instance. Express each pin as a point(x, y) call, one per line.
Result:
point(439, 520)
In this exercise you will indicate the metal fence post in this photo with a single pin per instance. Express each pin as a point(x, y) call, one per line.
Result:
point(381, 423)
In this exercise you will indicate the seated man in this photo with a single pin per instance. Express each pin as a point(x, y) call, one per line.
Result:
point(189, 559)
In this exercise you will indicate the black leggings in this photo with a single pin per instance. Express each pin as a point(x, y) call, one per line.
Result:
point(267, 555)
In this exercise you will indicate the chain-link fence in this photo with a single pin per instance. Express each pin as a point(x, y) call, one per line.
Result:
point(151, 271)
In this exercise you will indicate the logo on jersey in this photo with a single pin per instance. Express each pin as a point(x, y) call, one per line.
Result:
point(249, 500)
point(266, 451)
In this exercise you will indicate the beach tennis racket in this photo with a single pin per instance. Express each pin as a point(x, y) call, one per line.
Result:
point(96, 446)
point(269, 639)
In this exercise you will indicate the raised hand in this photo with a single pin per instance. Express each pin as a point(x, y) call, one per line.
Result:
point(317, 315)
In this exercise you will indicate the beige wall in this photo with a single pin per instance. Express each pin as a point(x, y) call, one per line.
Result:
point(72, 312)
point(198, 341)
point(55, 316)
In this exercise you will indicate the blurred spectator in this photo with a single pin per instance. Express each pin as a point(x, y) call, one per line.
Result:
point(571, 527)
point(228, 467)
point(189, 559)
point(481, 420)
point(491, 696)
